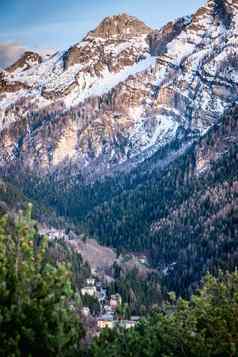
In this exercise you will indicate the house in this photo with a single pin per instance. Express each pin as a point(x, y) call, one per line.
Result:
point(108, 309)
point(143, 259)
point(102, 295)
point(94, 271)
point(89, 290)
point(98, 285)
point(105, 321)
point(115, 301)
point(90, 282)
point(135, 318)
point(127, 324)
point(85, 311)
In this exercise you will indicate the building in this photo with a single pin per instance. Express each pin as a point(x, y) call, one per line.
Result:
point(127, 324)
point(85, 311)
point(115, 301)
point(102, 295)
point(90, 282)
point(135, 318)
point(89, 290)
point(98, 285)
point(108, 309)
point(105, 321)
point(143, 259)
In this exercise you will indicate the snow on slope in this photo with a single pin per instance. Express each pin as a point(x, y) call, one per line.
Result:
point(51, 75)
point(125, 100)
point(98, 87)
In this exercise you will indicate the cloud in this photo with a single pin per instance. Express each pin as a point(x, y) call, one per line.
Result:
point(10, 53)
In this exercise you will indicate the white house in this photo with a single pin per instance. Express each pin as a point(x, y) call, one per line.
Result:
point(89, 290)
point(105, 321)
point(85, 311)
point(90, 282)
point(127, 324)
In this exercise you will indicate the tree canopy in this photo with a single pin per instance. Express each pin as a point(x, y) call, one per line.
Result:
point(206, 326)
point(38, 305)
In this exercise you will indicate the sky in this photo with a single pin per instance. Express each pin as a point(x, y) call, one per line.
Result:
point(58, 24)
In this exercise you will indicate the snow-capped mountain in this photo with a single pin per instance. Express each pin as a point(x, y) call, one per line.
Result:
point(121, 93)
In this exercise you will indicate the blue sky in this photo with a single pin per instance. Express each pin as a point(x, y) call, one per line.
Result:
point(57, 24)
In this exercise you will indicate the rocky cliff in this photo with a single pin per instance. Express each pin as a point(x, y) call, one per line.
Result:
point(120, 94)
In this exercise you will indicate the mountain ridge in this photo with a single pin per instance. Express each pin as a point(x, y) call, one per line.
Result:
point(129, 93)
point(127, 133)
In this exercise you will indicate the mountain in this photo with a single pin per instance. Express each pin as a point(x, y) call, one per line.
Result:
point(131, 134)
point(121, 93)
point(182, 215)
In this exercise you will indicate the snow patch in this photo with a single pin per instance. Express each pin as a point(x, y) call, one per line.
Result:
point(108, 81)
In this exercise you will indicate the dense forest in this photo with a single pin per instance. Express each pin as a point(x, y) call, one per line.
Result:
point(206, 326)
point(141, 293)
point(182, 215)
point(39, 309)
point(38, 303)
point(119, 183)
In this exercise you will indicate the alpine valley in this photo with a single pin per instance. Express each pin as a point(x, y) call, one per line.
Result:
point(129, 137)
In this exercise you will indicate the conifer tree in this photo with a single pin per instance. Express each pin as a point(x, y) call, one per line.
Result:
point(38, 306)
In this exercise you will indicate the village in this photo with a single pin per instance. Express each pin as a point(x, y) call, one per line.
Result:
point(108, 317)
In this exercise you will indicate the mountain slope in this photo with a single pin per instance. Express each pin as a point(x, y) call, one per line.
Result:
point(121, 93)
point(184, 217)
point(131, 134)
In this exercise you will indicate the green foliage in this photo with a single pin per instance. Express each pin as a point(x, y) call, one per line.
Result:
point(38, 307)
point(184, 219)
point(123, 312)
point(141, 292)
point(92, 303)
point(60, 251)
point(206, 326)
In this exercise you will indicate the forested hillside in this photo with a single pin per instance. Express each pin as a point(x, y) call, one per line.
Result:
point(206, 326)
point(182, 215)
point(39, 309)
point(119, 186)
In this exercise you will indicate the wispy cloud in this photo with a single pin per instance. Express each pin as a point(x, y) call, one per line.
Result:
point(9, 53)
point(59, 35)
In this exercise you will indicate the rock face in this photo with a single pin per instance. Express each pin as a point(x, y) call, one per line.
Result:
point(121, 93)
point(159, 39)
point(120, 26)
point(28, 60)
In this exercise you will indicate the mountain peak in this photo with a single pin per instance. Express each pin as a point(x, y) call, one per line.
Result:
point(216, 12)
point(27, 60)
point(120, 25)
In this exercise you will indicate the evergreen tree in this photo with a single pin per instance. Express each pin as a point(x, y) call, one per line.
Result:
point(205, 326)
point(38, 307)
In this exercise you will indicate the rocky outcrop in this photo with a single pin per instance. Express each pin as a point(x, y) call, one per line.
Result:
point(120, 26)
point(99, 47)
point(28, 60)
point(10, 86)
point(159, 39)
point(73, 56)
point(123, 92)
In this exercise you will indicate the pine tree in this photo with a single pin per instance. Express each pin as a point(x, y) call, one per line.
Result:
point(38, 307)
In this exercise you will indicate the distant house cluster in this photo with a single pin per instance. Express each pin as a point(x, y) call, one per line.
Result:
point(115, 301)
point(107, 321)
point(108, 306)
point(90, 288)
